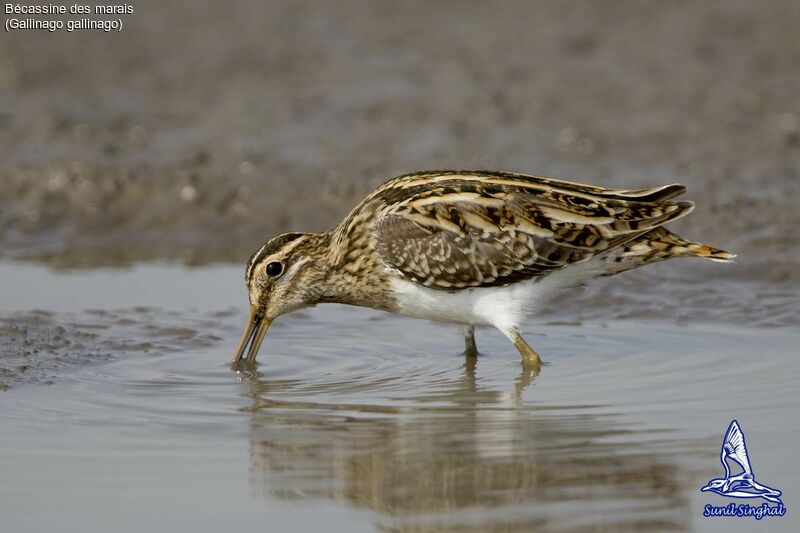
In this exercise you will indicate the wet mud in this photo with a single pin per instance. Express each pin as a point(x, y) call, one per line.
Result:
point(43, 346)
point(281, 115)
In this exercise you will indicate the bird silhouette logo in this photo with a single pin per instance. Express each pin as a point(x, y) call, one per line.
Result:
point(742, 484)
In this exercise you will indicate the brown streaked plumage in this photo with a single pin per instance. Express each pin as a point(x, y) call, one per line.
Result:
point(469, 247)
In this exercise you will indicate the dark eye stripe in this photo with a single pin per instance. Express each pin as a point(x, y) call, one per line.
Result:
point(269, 248)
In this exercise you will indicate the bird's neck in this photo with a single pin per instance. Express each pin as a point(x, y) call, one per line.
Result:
point(350, 272)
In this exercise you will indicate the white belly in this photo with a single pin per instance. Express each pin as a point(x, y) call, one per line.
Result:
point(502, 307)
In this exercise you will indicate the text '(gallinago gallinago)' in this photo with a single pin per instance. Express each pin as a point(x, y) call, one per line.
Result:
point(466, 247)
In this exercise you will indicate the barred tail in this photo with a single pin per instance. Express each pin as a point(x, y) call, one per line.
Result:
point(709, 252)
point(657, 245)
point(675, 245)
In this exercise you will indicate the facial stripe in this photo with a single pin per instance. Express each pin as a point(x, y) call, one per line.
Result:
point(293, 269)
point(253, 259)
point(282, 243)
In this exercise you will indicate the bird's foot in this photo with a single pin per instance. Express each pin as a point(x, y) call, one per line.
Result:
point(530, 358)
point(470, 347)
point(471, 353)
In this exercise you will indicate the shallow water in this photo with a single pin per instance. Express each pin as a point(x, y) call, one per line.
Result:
point(357, 420)
point(117, 408)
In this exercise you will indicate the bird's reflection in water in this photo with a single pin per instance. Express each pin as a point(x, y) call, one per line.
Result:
point(461, 456)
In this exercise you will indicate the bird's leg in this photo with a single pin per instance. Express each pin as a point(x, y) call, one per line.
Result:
point(470, 348)
point(529, 355)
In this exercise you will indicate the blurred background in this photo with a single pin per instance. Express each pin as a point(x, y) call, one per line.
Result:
point(205, 127)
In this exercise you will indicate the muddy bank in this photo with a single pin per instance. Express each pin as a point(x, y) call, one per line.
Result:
point(43, 347)
point(202, 129)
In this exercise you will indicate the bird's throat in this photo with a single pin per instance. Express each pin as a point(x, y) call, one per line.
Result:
point(351, 275)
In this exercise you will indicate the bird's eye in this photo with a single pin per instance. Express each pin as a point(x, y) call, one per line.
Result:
point(274, 269)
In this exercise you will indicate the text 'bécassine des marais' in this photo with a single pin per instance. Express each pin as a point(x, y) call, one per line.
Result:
point(74, 9)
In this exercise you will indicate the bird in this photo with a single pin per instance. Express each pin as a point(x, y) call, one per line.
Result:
point(744, 484)
point(467, 247)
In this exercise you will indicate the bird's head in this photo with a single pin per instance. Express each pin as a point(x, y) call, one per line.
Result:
point(280, 279)
point(714, 485)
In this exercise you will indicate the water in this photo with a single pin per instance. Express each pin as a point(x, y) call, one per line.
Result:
point(361, 421)
point(118, 411)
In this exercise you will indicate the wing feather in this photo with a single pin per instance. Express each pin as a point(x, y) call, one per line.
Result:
point(531, 182)
point(735, 446)
point(455, 233)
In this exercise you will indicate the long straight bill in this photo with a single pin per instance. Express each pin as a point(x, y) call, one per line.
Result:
point(253, 335)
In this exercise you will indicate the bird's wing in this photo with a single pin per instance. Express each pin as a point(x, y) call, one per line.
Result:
point(768, 493)
point(460, 233)
point(734, 447)
point(748, 488)
point(433, 178)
